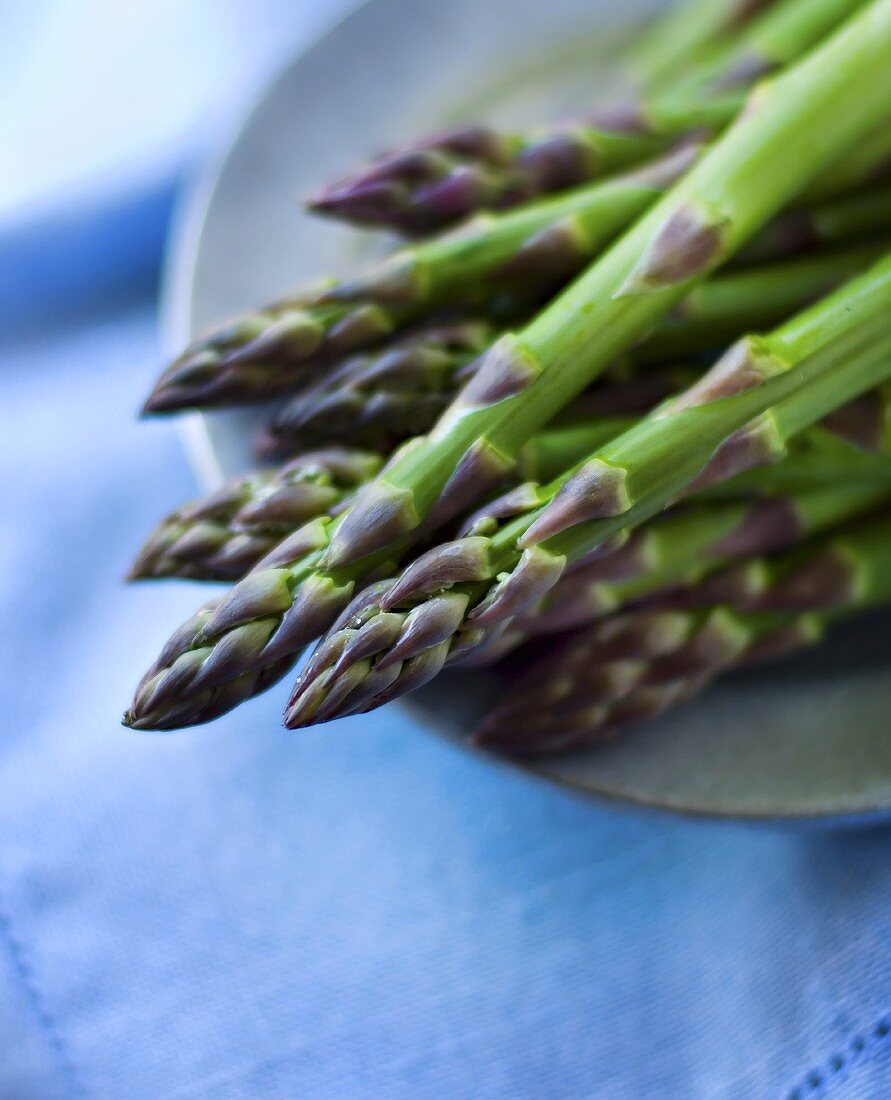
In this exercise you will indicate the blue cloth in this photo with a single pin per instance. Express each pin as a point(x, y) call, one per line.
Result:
point(358, 911)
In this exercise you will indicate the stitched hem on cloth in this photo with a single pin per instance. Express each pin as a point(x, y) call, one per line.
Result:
point(850, 1055)
point(45, 1020)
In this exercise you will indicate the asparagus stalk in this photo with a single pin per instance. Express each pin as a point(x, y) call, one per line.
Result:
point(807, 117)
point(855, 438)
point(442, 179)
point(596, 692)
point(263, 354)
point(689, 552)
point(223, 535)
point(461, 595)
point(779, 36)
point(850, 217)
point(869, 163)
point(718, 310)
point(637, 665)
point(377, 400)
point(665, 47)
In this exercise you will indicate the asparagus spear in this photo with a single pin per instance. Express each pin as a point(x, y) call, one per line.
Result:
point(287, 343)
point(597, 691)
point(381, 398)
point(709, 214)
point(442, 179)
point(636, 665)
point(802, 121)
point(691, 547)
point(222, 535)
point(436, 182)
point(376, 400)
point(776, 38)
point(461, 595)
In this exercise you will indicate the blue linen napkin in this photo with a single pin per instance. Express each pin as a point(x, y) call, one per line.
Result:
point(356, 911)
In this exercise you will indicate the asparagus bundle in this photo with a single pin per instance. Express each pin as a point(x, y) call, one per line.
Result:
point(708, 215)
point(461, 595)
point(263, 354)
point(689, 550)
point(825, 480)
point(805, 119)
point(223, 535)
point(518, 257)
point(589, 685)
point(379, 399)
point(443, 178)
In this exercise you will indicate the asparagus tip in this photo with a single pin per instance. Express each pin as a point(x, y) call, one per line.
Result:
point(162, 399)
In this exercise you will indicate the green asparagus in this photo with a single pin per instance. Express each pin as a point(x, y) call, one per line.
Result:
point(689, 547)
point(442, 179)
point(591, 684)
point(379, 399)
point(290, 342)
point(464, 594)
point(803, 120)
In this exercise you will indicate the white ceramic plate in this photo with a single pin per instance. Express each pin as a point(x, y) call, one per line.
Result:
point(807, 740)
